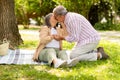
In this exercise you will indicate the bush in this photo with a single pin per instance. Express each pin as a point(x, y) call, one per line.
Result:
point(107, 26)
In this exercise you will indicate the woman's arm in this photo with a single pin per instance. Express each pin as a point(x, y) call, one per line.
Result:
point(44, 39)
point(37, 51)
point(60, 42)
point(45, 36)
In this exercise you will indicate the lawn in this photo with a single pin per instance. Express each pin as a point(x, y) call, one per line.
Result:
point(96, 70)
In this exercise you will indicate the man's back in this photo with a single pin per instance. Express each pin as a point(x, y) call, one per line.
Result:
point(80, 30)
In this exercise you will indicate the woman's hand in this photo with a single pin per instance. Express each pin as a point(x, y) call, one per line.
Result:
point(52, 36)
point(58, 37)
point(35, 57)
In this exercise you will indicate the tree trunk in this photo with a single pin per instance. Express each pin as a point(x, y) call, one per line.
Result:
point(8, 25)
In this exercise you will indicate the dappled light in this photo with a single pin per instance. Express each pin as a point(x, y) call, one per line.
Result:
point(60, 72)
point(22, 20)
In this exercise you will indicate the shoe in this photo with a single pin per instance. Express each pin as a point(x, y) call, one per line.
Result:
point(60, 63)
point(104, 55)
point(72, 62)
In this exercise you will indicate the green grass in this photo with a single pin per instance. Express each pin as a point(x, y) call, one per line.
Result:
point(96, 70)
point(29, 44)
point(85, 70)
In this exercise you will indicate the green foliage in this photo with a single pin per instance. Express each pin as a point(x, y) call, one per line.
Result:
point(36, 9)
point(32, 9)
point(117, 6)
point(107, 26)
point(79, 6)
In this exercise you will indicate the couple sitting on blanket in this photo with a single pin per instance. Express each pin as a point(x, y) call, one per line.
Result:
point(49, 49)
point(75, 28)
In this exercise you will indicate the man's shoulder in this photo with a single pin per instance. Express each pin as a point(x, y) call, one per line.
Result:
point(72, 16)
point(73, 13)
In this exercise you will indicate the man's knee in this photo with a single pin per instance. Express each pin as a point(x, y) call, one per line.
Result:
point(72, 55)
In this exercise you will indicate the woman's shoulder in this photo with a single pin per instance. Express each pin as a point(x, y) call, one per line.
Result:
point(44, 28)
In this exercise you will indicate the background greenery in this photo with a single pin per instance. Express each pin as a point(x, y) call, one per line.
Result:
point(85, 70)
point(93, 10)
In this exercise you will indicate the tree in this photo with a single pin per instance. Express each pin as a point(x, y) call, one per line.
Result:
point(8, 25)
point(35, 9)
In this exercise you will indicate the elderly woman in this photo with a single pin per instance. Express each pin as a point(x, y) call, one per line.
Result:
point(49, 49)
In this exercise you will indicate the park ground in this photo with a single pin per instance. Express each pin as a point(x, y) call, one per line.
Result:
point(86, 70)
point(113, 36)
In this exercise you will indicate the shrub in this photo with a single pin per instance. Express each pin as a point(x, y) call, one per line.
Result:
point(107, 26)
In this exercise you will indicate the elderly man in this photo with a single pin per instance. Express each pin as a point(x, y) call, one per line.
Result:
point(80, 31)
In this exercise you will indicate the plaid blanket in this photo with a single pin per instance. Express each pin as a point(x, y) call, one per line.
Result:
point(18, 57)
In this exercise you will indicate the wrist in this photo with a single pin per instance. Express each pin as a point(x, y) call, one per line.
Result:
point(62, 38)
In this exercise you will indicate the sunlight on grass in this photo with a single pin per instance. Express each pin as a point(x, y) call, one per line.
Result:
point(98, 70)
point(84, 70)
point(30, 41)
point(28, 44)
point(102, 69)
point(60, 72)
point(31, 27)
point(40, 68)
point(31, 37)
point(67, 45)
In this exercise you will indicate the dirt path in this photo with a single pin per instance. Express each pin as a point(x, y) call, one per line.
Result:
point(113, 36)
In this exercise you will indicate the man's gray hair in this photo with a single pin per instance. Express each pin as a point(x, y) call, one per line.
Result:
point(60, 10)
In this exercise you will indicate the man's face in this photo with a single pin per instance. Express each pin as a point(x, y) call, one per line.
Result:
point(59, 18)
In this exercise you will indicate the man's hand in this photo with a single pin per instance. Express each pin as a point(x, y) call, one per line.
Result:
point(58, 37)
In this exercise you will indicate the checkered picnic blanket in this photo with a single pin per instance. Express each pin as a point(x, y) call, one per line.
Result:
point(18, 56)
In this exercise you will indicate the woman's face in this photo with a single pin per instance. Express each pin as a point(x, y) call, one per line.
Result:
point(53, 22)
